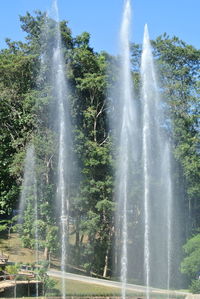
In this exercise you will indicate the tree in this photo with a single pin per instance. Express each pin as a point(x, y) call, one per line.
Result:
point(17, 120)
point(87, 75)
point(191, 264)
point(179, 66)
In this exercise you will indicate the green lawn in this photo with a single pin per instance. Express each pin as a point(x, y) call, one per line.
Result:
point(76, 288)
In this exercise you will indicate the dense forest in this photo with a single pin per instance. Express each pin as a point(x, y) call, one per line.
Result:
point(25, 114)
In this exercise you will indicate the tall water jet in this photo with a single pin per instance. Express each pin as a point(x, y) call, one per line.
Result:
point(169, 197)
point(125, 137)
point(148, 86)
point(28, 188)
point(36, 231)
point(156, 178)
point(29, 199)
point(60, 94)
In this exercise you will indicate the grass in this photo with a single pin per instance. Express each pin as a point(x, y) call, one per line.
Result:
point(13, 248)
point(78, 288)
point(74, 287)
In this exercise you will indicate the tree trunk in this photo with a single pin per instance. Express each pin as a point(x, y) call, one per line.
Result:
point(106, 264)
point(49, 259)
point(46, 254)
point(77, 246)
point(28, 289)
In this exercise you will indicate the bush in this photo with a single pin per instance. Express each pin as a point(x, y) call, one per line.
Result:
point(53, 292)
point(21, 277)
point(191, 263)
point(12, 269)
point(195, 286)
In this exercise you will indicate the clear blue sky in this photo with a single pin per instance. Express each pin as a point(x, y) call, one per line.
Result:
point(101, 18)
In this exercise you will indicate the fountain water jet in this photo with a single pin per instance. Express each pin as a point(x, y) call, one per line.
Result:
point(28, 185)
point(36, 233)
point(29, 198)
point(158, 193)
point(125, 137)
point(60, 95)
point(148, 84)
point(169, 195)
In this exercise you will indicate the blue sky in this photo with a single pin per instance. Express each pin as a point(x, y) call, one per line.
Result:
point(102, 18)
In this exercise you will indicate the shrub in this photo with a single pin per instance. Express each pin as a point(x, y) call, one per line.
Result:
point(195, 286)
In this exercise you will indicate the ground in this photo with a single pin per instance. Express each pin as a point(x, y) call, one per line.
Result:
point(13, 248)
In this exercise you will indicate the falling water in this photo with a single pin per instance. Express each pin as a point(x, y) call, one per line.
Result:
point(125, 136)
point(36, 231)
point(148, 83)
point(29, 199)
point(28, 189)
point(169, 198)
point(60, 92)
point(151, 140)
point(157, 178)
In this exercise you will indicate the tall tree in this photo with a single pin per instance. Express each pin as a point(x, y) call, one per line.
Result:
point(179, 66)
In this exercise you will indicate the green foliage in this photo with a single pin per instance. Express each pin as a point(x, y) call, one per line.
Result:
point(18, 72)
point(179, 66)
point(41, 275)
point(6, 225)
point(191, 264)
point(12, 269)
point(195, 286)
point(33, 26)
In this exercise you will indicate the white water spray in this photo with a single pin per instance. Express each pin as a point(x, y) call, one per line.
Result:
point(157, 178)
point(149, 98)
point(28, 189)
point(125, 137)
point(145, 63)
point(60, 93)
point(36, 231)
point(29, 198)
point(169, 198)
